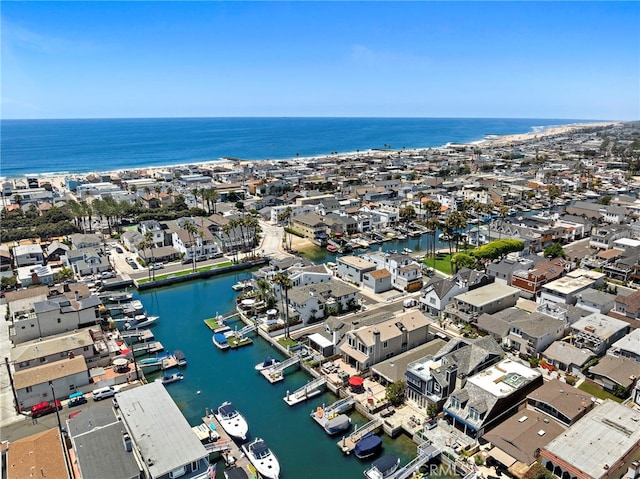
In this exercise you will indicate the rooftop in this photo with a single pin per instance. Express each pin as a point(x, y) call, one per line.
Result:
point(599, 440)
point(504, 378)
point(487, 294)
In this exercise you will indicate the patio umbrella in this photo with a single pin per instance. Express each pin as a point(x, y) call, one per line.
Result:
point(355, 381)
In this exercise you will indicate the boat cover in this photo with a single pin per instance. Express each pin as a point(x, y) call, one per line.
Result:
point(259, 449)
point(227, 410)
point(220, 338)
point(385, 463)
point(367, 444)
point(338, 423)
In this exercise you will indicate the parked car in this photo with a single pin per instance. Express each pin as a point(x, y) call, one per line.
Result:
point(158, 265)
point(108, 275)
point(44, 408)
point(76, 399)
point(103, 393)
point(119, 250)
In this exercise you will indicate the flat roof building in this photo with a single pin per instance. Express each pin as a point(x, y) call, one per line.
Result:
point(603, 444)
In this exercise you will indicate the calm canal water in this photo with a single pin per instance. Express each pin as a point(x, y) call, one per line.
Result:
point(212, 376)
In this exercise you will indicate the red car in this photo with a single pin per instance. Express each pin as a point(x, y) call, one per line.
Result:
point(45, 408)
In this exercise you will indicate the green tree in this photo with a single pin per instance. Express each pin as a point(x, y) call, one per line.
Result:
point(463, 260)
point(394, 393)
point(407, 213)
point(284, 282)
point(555, 251)
point(64, 274)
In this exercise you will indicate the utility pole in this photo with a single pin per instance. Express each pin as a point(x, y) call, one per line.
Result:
point(13, 389)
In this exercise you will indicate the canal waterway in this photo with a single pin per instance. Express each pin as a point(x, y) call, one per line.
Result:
point(213, 376)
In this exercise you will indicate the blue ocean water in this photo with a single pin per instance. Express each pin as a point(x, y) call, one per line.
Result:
point(37, 147)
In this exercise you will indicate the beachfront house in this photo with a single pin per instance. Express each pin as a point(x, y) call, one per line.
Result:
point(317, 301)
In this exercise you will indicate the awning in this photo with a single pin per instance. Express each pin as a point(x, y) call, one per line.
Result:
point(320, 340)
point(502, 457)
point(356, 381)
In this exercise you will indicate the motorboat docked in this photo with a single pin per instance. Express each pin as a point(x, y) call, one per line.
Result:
point(120, 297)
point(136, 305)
point(232, 421)
point(262, 458)
point(368, 446)
point(241, 285)
point(267, 363)
point(407, 251)
point(220, 340)
point(170, 378)
point(337, 424)
point(140, 321)
point(382, 467)
point(180, 358)
point(444, 237)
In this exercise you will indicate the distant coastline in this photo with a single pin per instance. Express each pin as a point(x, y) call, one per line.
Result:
point(51, 148)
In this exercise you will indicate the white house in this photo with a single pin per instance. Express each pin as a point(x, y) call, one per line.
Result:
point(28, 255)
point(320, 300)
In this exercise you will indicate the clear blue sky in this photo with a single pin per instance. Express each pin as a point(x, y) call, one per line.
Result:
point(416, 59)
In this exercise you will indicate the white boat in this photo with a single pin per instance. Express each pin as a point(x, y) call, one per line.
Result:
point(444, 237)
point(407, 251)
point(170, 378)
point(140, 321)
point(262, 458)
point(136, 305)
point(120, 297)
point(220, 340)
point(232, 421)
point(383, 467)
point(241, 285)
point(266, 364)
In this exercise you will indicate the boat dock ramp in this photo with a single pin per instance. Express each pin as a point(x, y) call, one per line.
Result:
point(309, 390)
point(426, 452)
point(138, 335)
point(218, 323)
point(276, 373)
point(156, 364)
point(348, 443)
point(229, 450)
point(322, 414)
point(148, 348)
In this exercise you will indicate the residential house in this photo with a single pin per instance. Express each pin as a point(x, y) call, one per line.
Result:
point(368, 345)
point(438, 292)
point(55, 251)
point(377, 281)
point(430, 379)
point(598, 332)
point(516, 442)
point(406, 274)
point(43, 453)
point(311, 226)
point(595, 301)
point(562, 402)
point(86, 261)
point(494, 297)
point(567, 288)
point(316, 301)
point(504, 270)
point(308, 275)
point(604, 237)
point(531, 281)
point(614, 372)
point(28, 255)
point(132, 239)
point(53, 348)
point(489, 396)
point(30, 275)
point(603, 444)
point(80, 241)
point(627, 308)
point(54, 316)
point(5, 258)
point(627, 346)
point(102, 446)
point(148, 413)
point(157, 237)
point(353, 268)
point(394, 369)
point(567, 357)
point(33, 385)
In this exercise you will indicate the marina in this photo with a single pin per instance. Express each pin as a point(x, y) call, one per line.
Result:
point(217, 376)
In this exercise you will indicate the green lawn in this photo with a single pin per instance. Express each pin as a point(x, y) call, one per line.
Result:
point(597, 391)
point(443, 263)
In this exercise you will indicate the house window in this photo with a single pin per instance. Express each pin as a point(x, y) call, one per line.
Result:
point(29, 389)
point(432, 300)
point(181, 471)
point(42, 360)
point(474, 415)
point(455, 402)
point(436, 387)
point(72, 387)
point(63, 355)
point(59, 320)
point(86, 348)
point(385, 344)
point(195, 466)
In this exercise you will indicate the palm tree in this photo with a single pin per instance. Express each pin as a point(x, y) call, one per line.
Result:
point(265, 292)
point(191, 228)
point(284, 282)
point(142, 246)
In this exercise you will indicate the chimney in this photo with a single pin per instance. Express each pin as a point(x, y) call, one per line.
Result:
point(126, 440)
point(76, 295)
point(451, 375)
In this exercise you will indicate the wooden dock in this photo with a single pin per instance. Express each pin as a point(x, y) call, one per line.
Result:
point(309, 390)
point(231, 453)
point(276, 373)
point(348, 443)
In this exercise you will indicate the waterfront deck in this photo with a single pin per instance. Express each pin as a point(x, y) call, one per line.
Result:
point(276, 373)
point(231, 453)
point(348, 443)
point(309, 390)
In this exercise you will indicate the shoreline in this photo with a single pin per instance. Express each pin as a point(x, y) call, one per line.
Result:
point(539, 132)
